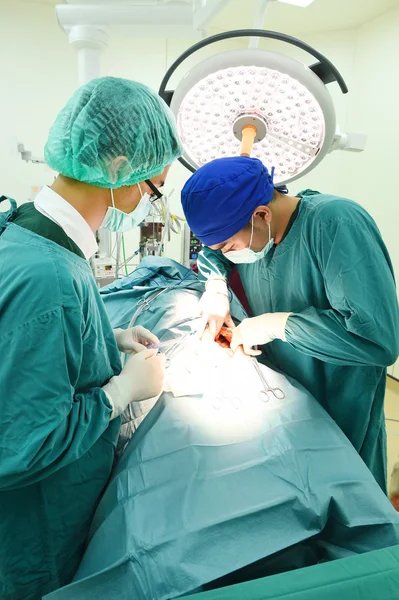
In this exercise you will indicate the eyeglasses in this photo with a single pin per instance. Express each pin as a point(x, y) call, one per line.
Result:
point(156, 193)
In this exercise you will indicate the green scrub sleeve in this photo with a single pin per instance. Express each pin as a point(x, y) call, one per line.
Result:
point(46, 422)
point(212, 264)
point(362, 325)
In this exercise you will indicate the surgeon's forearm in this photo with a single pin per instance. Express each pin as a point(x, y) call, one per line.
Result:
point(326, 335)
point(213, 265)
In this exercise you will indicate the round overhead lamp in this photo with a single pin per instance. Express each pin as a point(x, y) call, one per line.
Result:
point(285, 102)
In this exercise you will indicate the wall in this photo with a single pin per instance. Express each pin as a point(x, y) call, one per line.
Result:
point(374, 109)
point(392, 424)
point(37, 74)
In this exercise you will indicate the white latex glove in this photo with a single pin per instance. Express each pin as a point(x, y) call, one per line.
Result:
point(134, 339)
point(215, 306)
point(258, 331)
point(141, 378)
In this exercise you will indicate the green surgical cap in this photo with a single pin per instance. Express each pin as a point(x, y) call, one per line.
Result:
point(112, 133)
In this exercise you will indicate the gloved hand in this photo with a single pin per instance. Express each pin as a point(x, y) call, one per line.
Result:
point(140, 379)
point(215, 306)
point(258, 331)
point(134, 339)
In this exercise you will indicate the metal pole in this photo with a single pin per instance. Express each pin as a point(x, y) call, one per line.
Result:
point(258, 22)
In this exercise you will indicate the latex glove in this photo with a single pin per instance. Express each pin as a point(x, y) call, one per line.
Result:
point(141, 378)
point(258, 331)
point(215, 306)
point(134, 339)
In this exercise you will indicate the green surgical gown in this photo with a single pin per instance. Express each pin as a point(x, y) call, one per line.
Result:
point(334, 273)
point(57, 443)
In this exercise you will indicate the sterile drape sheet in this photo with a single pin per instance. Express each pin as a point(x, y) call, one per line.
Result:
point(220, 487)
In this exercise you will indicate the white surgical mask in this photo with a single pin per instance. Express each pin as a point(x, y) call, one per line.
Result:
point(119, 221)
point(246, 255)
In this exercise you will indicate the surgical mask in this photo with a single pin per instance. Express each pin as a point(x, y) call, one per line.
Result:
point(246, 255)
point(118, 221)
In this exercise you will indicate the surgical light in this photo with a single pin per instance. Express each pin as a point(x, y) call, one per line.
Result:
point(289, 106)
point(286, 102)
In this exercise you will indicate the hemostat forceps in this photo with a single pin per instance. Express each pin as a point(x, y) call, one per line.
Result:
point(277, 392)
point(173, 342)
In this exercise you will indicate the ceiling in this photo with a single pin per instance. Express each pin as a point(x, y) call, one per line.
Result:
point(49, 2)
point(322, 15)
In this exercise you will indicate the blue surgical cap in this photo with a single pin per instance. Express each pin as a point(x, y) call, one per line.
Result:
point(220, 198)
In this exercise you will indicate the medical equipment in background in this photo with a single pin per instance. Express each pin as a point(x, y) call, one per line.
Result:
point(157, 228)
point(110, 262)
point(26, 155)
point(151, 238)
point(103, 262)
point(104, 269)
point(192, 247)
point(283, 103)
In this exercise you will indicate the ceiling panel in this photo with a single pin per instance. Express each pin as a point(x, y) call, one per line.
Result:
point(322, 15)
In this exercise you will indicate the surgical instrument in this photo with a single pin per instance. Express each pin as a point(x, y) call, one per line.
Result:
point(171, 342)
point(277, 392)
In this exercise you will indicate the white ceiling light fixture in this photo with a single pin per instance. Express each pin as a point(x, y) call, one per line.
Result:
point(288, 104)
point(286, 101)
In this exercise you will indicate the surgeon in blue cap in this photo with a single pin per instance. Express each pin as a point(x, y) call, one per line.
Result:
point(319, 282)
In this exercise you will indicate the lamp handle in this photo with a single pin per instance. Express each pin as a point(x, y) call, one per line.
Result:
point(248, 136)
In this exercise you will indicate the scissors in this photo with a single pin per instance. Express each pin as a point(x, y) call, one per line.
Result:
point(277, 392)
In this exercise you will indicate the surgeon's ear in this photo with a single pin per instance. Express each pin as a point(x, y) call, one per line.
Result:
point(264, 213)
point(119, 169)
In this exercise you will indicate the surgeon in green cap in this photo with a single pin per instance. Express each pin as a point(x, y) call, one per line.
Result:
point(63, 388)
point(319, 283)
